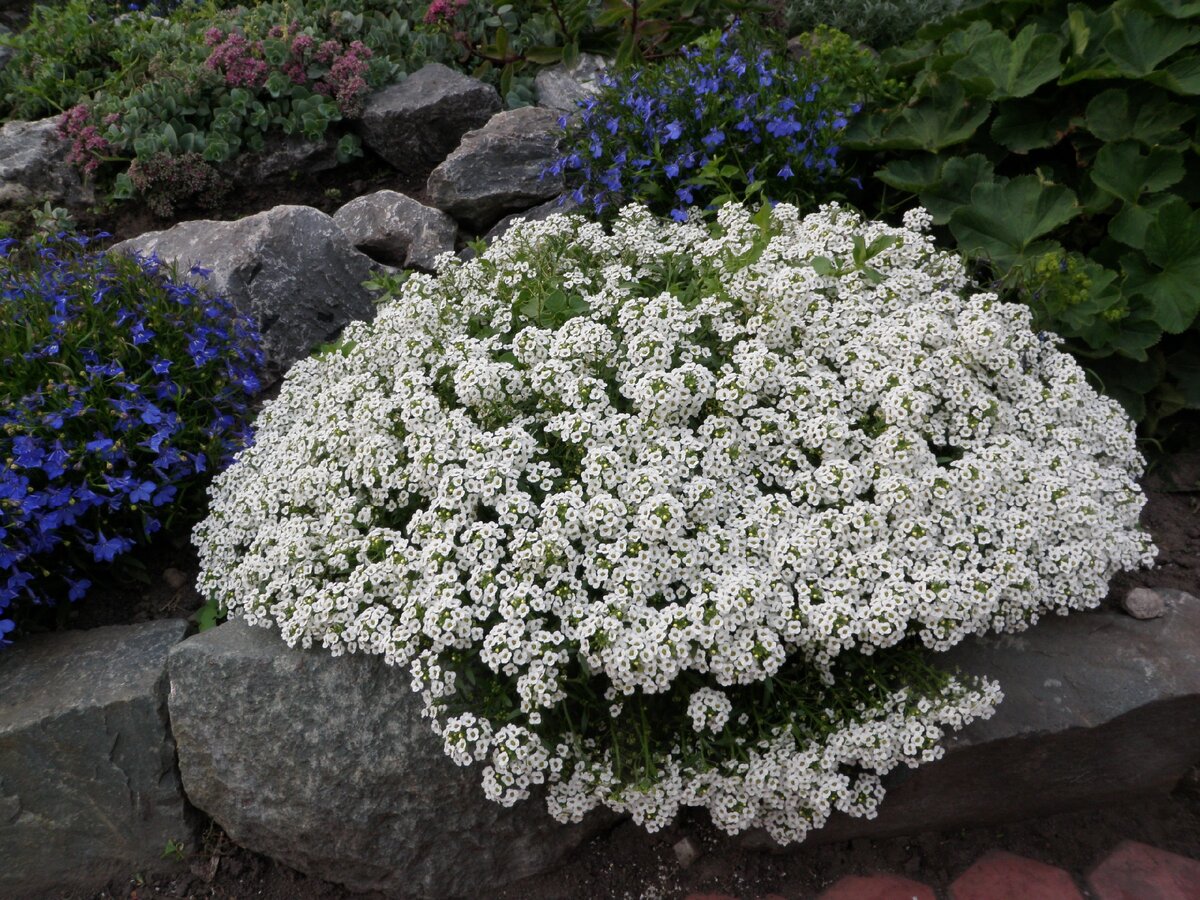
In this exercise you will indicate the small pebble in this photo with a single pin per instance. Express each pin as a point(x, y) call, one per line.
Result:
point(686, 852)
point(1143, 603)
point(174, 578)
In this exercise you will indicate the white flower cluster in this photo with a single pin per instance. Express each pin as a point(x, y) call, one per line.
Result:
point(709, 710)
point(785, 788)
point(664, 451)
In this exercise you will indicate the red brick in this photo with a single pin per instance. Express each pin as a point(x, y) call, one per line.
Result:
point(877, 887)
point(1140, 872)
point(1004, 876)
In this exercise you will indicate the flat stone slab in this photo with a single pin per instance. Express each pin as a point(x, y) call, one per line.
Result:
point(325, 764)
point(1135, 871)
point(1099, 707)
point(89, 789)
point(877, 887)
point(998, 874)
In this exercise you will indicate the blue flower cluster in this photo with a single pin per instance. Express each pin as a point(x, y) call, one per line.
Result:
point(123, 386)
point(718, 123)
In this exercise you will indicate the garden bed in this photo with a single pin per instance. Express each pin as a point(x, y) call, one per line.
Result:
point(604, 491)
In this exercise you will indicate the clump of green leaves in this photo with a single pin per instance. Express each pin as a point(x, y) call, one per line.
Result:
point(510, 40)
point(1056, 142)
point(879, 23)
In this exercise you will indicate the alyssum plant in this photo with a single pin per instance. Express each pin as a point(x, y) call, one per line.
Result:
point(666, 515)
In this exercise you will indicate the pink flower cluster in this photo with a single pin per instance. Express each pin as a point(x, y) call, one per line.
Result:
point(88, 145)
point(443, 11)
point(347, 78)
point(237, 58)
point(345, 67)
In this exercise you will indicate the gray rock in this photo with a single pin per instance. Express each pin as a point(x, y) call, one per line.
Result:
point(34, 167)
point(416, 123)
point(284, 155)
point(89, 788)
point(498, 169)
point(325, 764)
point(290, 269)
point(1144, 603)
point(686, 852)
point(536, 214)
point(1098, 708)
point(561, 87)
point(562, 204)
point(397, 230)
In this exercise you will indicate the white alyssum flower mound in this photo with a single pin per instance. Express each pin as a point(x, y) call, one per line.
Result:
point(661, 516)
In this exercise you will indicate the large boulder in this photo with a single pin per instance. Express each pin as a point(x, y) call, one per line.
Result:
point(416, 123)
point(498, 169)
point(1098, 707)
point(89, 789)
point(34, 167)
point(325, 764)
point(562, 87)
point(397, 230)
point(563, 204)
point(290, 269)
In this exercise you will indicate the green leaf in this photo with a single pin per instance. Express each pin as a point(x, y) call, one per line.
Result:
point(1024, 125)
point(1169, 272)
point(1117, 114)
point(823, 265)
point(960, 175)
point(208, 615)
point(1176, 9)
point(123, 188)
point(570, 54)
point(1015, 68)
point(544, 56)
point(1140, 42)
point(1124, 172)
point(914, 174)
point(1005, 220)
point(1129, 225)
point(1182, 76)
point(940, 120)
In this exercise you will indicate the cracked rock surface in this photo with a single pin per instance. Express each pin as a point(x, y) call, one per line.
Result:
point(325, 764)
point(290, 269)
point(89, 788)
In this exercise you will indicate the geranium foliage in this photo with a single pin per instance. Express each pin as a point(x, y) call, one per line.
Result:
point(665, 515)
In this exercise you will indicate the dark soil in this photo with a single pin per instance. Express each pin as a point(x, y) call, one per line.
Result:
point(326, 191)
point(629, 864)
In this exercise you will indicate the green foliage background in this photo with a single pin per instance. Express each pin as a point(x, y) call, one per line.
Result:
point(1057, 142)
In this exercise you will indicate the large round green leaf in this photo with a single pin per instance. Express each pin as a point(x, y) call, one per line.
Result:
point(1005, 220)
point(1017, 67)
point(1123, 171)
point(1168, 274)
point(1146, 114)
